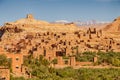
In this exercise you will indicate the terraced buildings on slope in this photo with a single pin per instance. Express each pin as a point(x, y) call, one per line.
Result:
point(33, 37)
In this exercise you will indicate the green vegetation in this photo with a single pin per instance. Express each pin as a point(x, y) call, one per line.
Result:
point(54, 61)
point(108, 58)
point(98, 74)
point(4, 61)
point(74, 74)
point(16, 78)
point(85, 56)
point(40, 69)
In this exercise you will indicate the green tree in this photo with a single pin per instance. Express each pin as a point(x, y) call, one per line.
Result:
point(54, 61)
point(115, 62)
point(4, 61)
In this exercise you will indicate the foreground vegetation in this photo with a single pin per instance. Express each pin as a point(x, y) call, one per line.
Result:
point(104, 58)
point(40, 70)
point(72, 74)
point(4, 61)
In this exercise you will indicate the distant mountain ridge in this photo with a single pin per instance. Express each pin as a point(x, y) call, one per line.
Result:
point(83, 23)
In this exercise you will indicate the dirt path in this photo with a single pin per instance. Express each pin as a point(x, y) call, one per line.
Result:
point(93, 67)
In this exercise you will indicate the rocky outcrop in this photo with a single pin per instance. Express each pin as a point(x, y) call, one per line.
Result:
point(2, 31)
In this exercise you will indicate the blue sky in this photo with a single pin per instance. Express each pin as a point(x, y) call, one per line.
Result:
point(51, 10)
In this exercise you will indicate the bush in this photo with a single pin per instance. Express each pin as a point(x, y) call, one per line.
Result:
point(85, 56)
point(16, 78)
point(4, 61)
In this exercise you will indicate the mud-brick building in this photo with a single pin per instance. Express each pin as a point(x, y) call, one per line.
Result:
point(17, 61)
point(4, 73)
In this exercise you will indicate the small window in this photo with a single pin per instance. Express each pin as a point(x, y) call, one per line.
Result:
point(17, 67)
point(17, 59)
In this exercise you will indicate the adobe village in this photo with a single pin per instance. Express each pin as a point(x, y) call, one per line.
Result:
point(61, 45)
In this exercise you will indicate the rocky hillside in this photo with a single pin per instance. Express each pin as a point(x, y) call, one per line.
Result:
point(35, 36)
point(16, 36)
point(29, 24)
point(114, 26)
